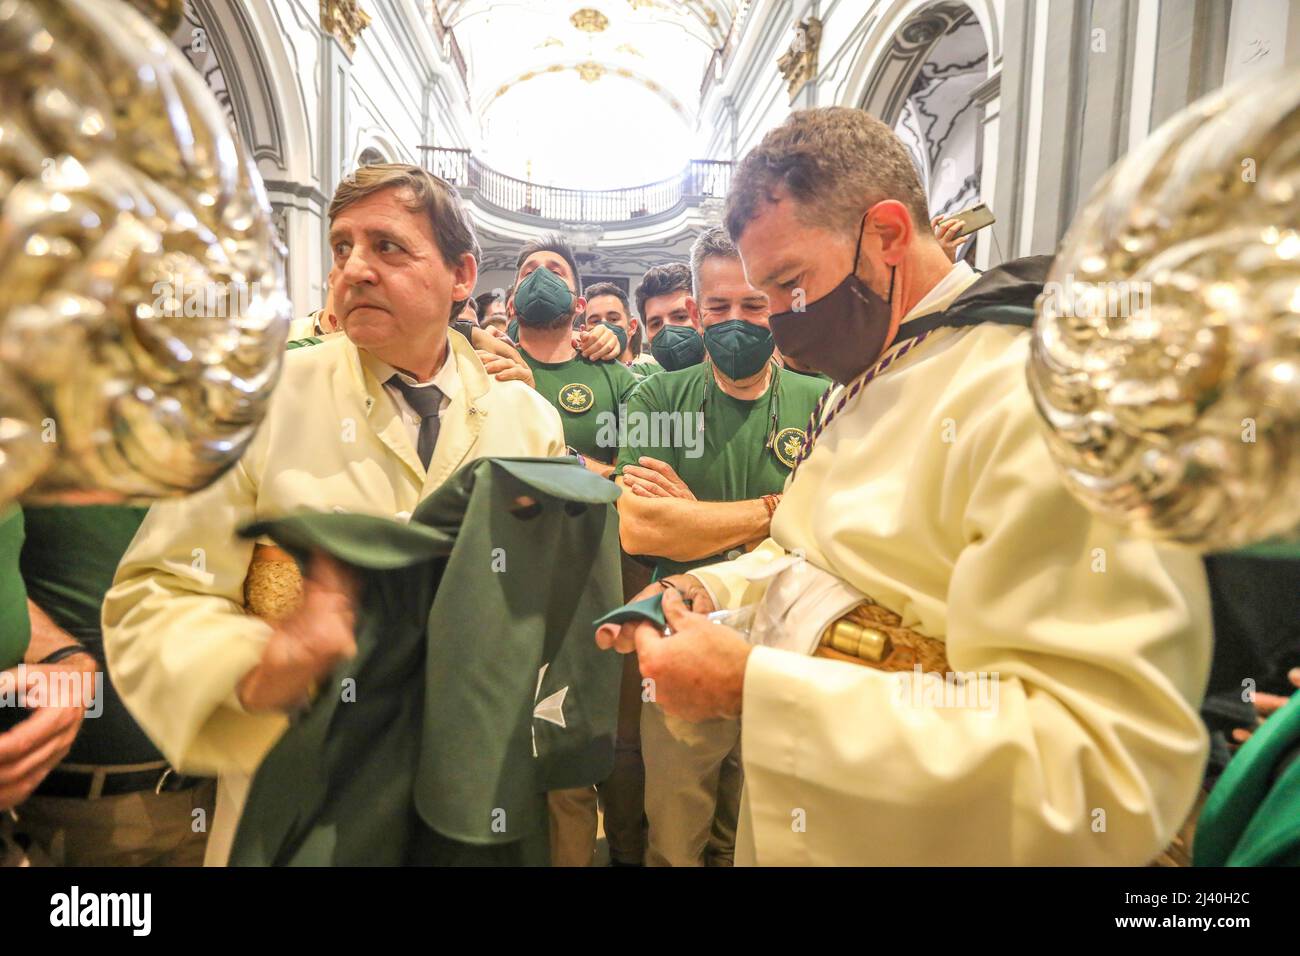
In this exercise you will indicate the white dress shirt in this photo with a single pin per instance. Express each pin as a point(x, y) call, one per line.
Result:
point(445, 379)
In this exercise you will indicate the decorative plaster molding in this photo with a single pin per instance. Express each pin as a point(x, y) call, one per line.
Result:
point(988, 91)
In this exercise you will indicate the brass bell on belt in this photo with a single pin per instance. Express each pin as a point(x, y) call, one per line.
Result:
point(855, 640)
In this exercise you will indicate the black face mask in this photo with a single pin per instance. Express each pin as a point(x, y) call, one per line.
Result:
point(843, 332)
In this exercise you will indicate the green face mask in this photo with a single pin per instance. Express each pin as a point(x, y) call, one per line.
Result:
point(738, 348)
point(542, 299)
point(677, 347)
point(618, 334)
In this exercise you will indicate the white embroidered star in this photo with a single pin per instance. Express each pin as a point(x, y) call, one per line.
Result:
point(551, 709)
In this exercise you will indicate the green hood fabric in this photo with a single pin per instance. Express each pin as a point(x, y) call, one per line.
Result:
point(1252, 816)
point(478, 684)
point(647, 609)
point(15, 626)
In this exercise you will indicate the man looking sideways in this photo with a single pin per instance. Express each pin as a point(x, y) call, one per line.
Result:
point(371, 422)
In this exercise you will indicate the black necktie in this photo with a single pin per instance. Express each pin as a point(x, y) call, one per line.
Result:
point(426, 401)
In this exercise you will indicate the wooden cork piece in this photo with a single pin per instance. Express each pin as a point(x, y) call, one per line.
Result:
point(273, 587)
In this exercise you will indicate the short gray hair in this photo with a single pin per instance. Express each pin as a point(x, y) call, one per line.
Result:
point(836, 163)
point(712, 242)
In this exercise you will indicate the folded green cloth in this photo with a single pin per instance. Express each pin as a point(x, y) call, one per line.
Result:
point(1252, 816)
point(647, 609)
point(476, 687)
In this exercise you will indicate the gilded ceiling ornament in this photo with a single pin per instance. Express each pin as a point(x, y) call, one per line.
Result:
point(589, 71)
point(344, 20)
point(142, 306)
point(629, 49)
point(799, 63)
point(1165, 359)
point(589, 20)
point(549, 42)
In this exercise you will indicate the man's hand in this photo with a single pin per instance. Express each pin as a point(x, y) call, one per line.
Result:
point(1266, 705)
point(506, 370)
point(38, 744)
point(622, 637)
point(945, 230)
point(597, 344)
point(696, 668)
point(500, 359)
point(599, 467)
point(304, 648)
point(655, 479)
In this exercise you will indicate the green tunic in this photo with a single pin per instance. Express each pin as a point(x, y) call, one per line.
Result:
point(476, 688)
point(68, 563)
point(587, 395)
point(643, 370)
point(742, 453)
point(15, 624)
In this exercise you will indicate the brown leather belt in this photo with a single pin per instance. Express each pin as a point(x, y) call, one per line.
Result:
point(873, 636)
point(89, 782)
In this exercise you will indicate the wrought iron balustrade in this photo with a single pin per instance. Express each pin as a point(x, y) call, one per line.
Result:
point(701, 179)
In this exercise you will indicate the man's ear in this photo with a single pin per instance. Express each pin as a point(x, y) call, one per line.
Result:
point(633, 323)
point(463, 277)
point(693, 311)
point(579, 305)
point(891, 223)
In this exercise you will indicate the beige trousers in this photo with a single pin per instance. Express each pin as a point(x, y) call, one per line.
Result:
point(573, 812)
point(693, 777)
point(133, 829)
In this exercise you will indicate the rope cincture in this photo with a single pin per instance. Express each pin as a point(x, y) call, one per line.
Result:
point(816, 425)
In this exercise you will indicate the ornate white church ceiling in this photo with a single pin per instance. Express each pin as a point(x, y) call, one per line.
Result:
point(587, 93)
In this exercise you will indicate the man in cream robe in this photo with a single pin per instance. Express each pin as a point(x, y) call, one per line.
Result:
point(1099, 643)
point(178, 639)
point(930, 491)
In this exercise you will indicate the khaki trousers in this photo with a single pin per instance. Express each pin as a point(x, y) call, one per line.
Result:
point(693, 777)
point(133, 829)
point(573, 826)
point(573, 812)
